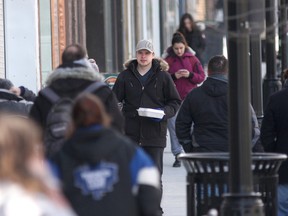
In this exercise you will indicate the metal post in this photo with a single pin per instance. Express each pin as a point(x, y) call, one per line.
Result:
point(241, 200)
point(283, 33)
point(271, 82)
point(256, 75)
point(257, 26)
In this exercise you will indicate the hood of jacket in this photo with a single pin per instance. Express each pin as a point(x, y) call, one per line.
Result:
point(157, 64)
point(169, 52)
point(81, 72)
point(93, 145)
point(215, 87)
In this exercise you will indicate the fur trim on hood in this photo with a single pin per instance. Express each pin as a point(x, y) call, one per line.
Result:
point(163, 64)
point(166, 52)
point(75, 72)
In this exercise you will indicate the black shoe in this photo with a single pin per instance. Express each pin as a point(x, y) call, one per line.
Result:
point(177, 163)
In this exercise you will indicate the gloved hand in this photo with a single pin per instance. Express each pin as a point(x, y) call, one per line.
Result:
point(157, 119)
point(186, 145)
point(188, 148)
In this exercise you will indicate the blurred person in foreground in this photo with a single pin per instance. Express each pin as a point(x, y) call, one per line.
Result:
point(207, 108)
point(26, 186)
point(274, 138)
point(186, 72)
point(11, 100)
point(103, 172)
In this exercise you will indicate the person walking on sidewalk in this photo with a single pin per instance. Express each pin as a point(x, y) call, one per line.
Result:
point(193, 35)
point(186, 72)
point(274, 138)
point(74, 75)
point(207, 108)
point(145, 83)
point(102, 171)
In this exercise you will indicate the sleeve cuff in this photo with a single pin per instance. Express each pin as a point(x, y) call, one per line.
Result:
point(191, 75)
point(22, 90)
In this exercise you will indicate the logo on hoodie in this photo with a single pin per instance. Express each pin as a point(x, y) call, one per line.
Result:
point(96, 180)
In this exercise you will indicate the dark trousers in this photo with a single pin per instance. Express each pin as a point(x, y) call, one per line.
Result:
point(156, 154)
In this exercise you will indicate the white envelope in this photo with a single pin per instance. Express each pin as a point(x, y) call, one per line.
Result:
point(151, 113)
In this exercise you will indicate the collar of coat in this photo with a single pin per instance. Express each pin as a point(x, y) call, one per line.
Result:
point(7, 95)
point(157, 64)
point(74, 72)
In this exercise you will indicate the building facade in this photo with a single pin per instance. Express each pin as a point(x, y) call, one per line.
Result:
point(33, 33)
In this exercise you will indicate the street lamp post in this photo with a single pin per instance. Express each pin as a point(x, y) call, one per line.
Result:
point(241, 200)
point(271, 82)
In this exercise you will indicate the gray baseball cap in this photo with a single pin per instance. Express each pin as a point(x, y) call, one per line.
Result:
point(145, 45)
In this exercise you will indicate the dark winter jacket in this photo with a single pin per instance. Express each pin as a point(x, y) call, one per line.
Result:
point(158, 92)
point(206, 107)
point(189, 62)
point(14, 104)
point(274, 129)
point(27, 94)
point(196, 40)
point(69, 82)
point(104, 173)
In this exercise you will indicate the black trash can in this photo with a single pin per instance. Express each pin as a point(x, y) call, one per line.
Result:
point(207, 180)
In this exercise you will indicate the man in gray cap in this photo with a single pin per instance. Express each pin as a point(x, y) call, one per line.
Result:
point(145, 84)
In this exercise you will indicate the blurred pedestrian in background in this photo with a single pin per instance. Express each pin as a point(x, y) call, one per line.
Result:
point(186, 72)
point(193, 35)
point(53, 104)
point(103, 172)
point(274, 138)
point(26, 186)
point(11, 100)
point(145, 83)
point(206, 107)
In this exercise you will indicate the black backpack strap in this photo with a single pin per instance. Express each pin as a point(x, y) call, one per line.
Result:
point(50, 95)
point(94, 87)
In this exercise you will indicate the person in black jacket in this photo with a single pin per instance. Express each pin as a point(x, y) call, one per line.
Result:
point(71, 78)
point(274, 138)
point(10, 102)
point(206, 109)
point(103, 172)
point(193, 35)
point(145, 83)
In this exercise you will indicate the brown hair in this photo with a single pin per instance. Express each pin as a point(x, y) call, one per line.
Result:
point(20, 141)
point(88, 110)
point(72, 53)
point(178, 37)
point(218, 65)
point(285, 74)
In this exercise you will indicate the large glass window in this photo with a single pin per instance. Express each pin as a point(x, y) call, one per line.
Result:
point(45, 39)
point(170, 21)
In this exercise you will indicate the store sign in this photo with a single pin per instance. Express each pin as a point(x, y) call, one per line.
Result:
point(110, 79)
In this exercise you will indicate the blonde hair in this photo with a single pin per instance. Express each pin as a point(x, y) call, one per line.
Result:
point(20, 141)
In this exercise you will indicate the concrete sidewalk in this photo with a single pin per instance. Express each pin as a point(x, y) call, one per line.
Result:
point(174, 187)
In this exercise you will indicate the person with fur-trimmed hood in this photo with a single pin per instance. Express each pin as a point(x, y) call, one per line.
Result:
point(186, 72)
point(145, 83)
point(72, 77)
